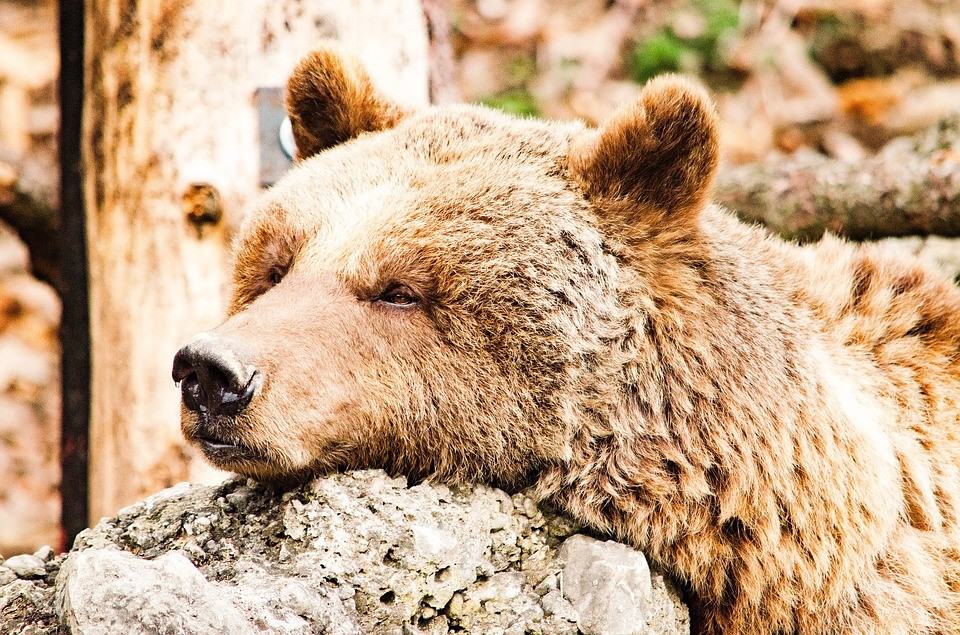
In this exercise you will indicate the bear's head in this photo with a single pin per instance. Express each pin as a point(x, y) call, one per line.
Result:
point(442, 292)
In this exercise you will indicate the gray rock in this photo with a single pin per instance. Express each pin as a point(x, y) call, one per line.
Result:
point(351, 553)
point(101, 591)
point(26, 566)
point(26, 606)
point(608, 584)
point(44, 553)
point(667, 614)
point(6, 576)
point(611, 589)
point(555, 604)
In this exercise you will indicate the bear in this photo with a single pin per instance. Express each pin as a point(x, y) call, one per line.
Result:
point(457, 294)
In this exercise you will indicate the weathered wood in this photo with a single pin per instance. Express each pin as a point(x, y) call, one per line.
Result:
point(443, 80)
point(169, 110)
point(911, 187)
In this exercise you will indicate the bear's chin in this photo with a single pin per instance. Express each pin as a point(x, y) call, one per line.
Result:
point(266, 472)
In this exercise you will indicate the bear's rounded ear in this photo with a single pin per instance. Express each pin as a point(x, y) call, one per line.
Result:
point(657, 156)
point(331, 99)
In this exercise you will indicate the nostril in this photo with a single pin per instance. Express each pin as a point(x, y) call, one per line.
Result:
point(182, 365)
point(212, 379)
point(233, 402)
point(192, 393)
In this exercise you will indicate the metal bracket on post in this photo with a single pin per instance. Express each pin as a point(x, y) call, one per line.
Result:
point(277, 147)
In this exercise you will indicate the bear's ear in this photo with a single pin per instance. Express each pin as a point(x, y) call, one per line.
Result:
point(330, 99)
point(656, 157)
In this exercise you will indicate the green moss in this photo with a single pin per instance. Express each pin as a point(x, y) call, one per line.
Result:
point(516, 101)
point(661, 53)
point(665, 51)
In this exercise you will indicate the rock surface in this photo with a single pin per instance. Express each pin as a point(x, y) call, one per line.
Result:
point(610, 587)
point(352, 553)
point(25, 566)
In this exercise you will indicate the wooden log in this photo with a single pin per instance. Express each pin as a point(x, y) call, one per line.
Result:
point(911, 187)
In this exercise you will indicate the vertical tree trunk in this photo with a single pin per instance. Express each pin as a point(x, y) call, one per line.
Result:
point(169, 123)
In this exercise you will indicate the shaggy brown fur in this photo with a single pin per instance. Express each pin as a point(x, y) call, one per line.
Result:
point(330, 99)
point(469, 296)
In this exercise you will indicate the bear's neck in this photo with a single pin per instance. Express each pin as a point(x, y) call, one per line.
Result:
point(712, 358)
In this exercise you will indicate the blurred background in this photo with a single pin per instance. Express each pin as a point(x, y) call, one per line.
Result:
point(836, 115)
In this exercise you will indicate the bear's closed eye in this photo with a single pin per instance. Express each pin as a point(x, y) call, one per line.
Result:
point(398, 295)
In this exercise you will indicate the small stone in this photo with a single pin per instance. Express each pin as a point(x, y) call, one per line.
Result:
point(194, 552)
point(26, 566)
point(239, 499)
point(515, 629)
point(554, 603)
point(546, 585)
point(502, 586)
point(533, 614)
point(455, 608)
point(293, 525)
point(7, 576)
point(608, 584)
point(44, 553)
point(494, 607)
point(485, 568)
point(530, 507)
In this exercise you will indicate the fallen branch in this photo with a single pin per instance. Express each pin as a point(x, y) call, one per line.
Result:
point(910, 187)
point(35, 223)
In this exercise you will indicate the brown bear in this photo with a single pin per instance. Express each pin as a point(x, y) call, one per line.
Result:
point(457, 294)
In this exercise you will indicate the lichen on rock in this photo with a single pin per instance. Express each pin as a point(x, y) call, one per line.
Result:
point(351, 553)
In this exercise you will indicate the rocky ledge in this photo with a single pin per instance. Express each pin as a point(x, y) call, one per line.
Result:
point(352, 553)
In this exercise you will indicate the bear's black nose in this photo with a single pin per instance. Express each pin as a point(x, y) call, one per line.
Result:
point(212, 379)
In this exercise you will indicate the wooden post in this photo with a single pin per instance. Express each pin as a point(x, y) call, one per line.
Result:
point(75, 318)
point(168, 112)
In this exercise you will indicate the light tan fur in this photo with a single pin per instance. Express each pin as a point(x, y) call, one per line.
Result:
point(777, 426)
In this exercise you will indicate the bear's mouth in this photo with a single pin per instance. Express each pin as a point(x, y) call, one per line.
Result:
point(225, 451)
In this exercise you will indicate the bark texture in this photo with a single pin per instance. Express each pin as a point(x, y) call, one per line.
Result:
point(169, 109)
point(911, 187)
point(443, 71)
